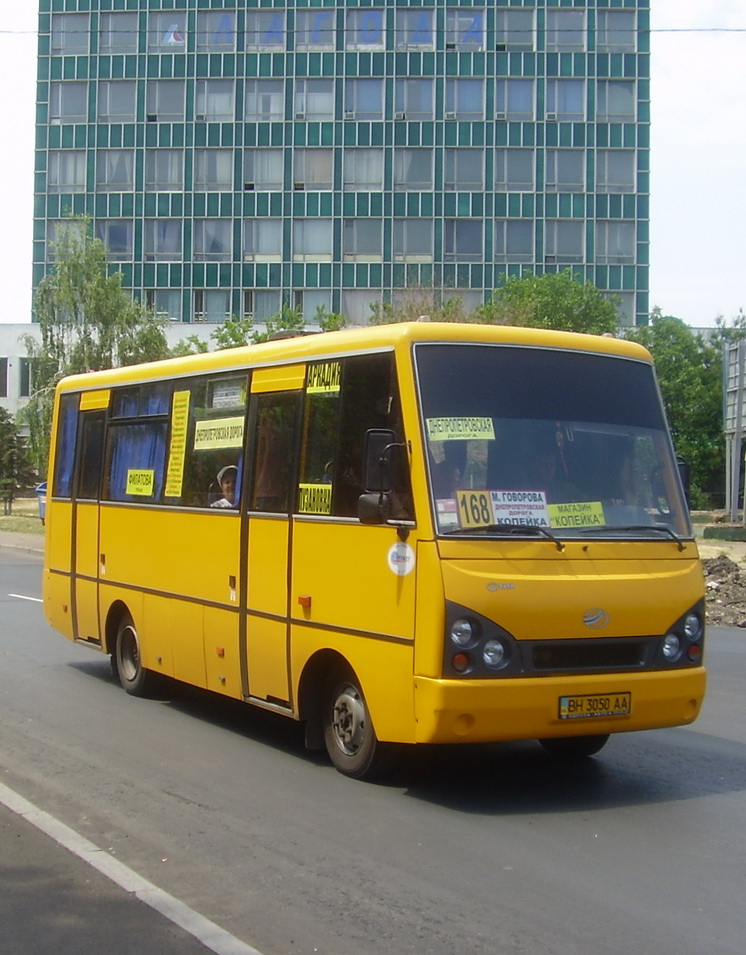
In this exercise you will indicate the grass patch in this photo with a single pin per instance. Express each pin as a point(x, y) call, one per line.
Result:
point(24, 519)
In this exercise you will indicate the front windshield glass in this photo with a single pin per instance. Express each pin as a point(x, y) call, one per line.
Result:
point(535, 440)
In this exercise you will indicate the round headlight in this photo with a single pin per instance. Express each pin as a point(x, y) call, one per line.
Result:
point(692, 626)
point(671, 646)
point(462, 632)
point(494, 654)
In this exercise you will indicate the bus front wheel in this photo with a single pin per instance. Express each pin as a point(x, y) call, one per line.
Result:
point(350, 739)
point(127, 660)
point(574, 747)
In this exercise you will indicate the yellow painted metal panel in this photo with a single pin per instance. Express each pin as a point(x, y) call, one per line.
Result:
point(94, 400)
point(266, 639)
point(221, 656)
point(281, 378)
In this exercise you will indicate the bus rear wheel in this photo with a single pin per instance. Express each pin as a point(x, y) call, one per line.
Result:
point(575, 747)
point(350, 739)
point(127, 660)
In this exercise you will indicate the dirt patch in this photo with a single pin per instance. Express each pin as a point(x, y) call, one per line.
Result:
point(725, 585)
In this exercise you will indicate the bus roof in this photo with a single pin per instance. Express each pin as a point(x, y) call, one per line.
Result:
point(319, 345)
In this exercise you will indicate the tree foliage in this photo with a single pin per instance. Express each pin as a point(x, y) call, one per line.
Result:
point(15, 470)
point(87, 322)
point(236, 332)
point(556, 300)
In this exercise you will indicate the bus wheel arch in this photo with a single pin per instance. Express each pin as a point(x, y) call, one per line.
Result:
point(310, 694)
point(123, 644)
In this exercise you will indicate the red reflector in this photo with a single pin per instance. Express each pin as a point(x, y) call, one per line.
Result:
point(694, 652)
point(460, 662)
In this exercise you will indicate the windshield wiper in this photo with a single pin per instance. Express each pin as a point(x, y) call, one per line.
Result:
point(662, 528)
point(513, 530)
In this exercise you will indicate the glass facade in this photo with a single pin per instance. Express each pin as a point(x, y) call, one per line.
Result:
point(237, 157)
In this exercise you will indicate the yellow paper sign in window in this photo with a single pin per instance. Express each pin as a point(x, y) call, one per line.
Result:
point(218, 433)
point(315, 499)
point(324, 378)
point(580, 514)
point(140, 482)
point(177, 450)
point(460, 429)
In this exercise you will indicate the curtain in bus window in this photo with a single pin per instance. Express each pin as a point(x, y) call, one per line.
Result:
point(137, 456)
point(65, 460)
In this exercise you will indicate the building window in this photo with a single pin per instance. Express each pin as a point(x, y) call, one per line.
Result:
point(265, 101)
point(515, 29)
point(213, 240)
point(313, 240)
point(615, 101)
point(164, 170)
point(463, 170)
point(167, 32)
point(463, 240)
point(364, 29)
point(216, 31)
point(66, 170)
point(163, 240)
point(616, 31)
point(63, 231)
point(362, 240)
point(414, 98)
point(115, 170)
point(514, 240)
point(565, 170)
point(514, 170)
point(314, 100)
point(117, 101)
point(3, 377)
point(364, 99)
point(514, 99)
point(215, 101)
point(358, 305)
point(165, 303)
point(625, 303)
point(212, 305)
point(363, 170)
point(265, 30)
point(213, 170)
point(69, 34)
point(116, 234)
point(313, 169)
point(165, 101)
point(262, 240)
point(415, 29)
point(314, 29)
point(465, 29)
point(464, 99)
point(313, 304)
point(615, 242)
point(565, 31)
point(263, 169)
point(564, 240)
point(118, 33)
point(565, 100)
point(615, 170)
point(413, 240)
point(24, 378)
point(413, 170)
point(68, 102)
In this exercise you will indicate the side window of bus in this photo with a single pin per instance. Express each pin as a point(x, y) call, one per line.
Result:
point(67, 430)
point(134, 468)
point(91, 454)
point(341, 407)
point(205, 455)
point(275, 416)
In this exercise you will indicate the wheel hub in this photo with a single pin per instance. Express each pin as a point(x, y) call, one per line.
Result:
point(348, 720)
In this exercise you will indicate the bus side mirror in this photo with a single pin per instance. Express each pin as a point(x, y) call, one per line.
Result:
point(377, 464)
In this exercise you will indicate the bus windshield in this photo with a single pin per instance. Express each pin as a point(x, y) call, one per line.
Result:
point(539, 441)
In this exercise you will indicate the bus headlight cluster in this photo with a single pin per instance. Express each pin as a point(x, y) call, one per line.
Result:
point(475, 646)
point(682, 644)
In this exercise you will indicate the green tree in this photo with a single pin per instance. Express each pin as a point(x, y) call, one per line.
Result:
point(556, 300)
point(191, 345)
point(236, 332)
point(689, 371)
point(87, 321)
point(15, 470)
point(415, 303)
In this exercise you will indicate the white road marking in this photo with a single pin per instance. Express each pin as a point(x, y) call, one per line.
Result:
point(212, 936)
point(36, 600)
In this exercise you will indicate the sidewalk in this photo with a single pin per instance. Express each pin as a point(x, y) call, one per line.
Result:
point(29, 543)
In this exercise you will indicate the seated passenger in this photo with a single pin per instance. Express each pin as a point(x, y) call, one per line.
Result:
point(227, 481)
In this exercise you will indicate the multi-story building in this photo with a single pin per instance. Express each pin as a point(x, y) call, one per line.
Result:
point(236, 155)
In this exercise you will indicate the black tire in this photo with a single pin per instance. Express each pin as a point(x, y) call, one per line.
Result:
point(349, 736)
point(126, 661)
point(574, 747)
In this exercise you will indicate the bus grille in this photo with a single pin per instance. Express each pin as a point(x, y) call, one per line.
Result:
point(578, 655)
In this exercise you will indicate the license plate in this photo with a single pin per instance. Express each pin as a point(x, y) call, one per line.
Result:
point(595, 706)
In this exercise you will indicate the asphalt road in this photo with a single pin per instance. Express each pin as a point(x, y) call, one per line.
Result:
point(492, 849)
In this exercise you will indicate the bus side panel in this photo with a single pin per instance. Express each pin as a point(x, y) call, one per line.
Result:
point(221, 663)
point(57, 582)
point(431, 617)
point(86, 572)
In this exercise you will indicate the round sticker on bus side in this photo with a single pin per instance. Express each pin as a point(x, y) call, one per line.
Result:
point(401, 559)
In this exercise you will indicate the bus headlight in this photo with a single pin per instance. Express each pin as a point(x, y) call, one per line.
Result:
point(671, 646)
point(692, 627)
point(494, 654)
point(463, 632)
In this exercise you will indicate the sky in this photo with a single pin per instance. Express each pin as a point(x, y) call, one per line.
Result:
point(698, 158)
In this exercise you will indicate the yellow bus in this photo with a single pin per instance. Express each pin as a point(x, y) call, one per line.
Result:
point(416, 533)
